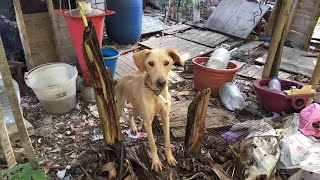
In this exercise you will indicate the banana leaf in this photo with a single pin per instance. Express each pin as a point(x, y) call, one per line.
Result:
point(103, 85)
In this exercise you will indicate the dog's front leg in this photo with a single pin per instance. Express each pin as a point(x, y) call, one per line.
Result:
point(156, 164)
point(166, 129)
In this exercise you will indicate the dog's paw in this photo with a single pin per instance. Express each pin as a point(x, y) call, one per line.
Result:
point(156, 165)
point(171, 160)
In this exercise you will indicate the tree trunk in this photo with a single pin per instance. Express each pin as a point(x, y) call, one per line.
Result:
point(276, 37)
point(196, 120)
point(13, 100)
point(103, 86)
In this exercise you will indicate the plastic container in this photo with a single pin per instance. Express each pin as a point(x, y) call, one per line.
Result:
point(126, 25)
point(205, 77)
point(5, 105)
point(55, 86)
point(219, 58)
point(274, 84)
point(277, 101)
point(231, 97)
point(76, 28)
point(308, 116)
point(110, 58)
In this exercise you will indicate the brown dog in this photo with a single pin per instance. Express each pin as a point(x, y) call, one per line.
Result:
point(148, 93)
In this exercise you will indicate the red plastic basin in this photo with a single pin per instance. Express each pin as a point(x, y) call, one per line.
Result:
point(277, 101)
point(211, 78)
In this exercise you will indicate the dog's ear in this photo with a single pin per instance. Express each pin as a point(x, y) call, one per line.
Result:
point(175, 56)
point(140, 58)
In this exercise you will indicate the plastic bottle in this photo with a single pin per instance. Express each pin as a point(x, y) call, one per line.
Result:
point(5, 105)
point(219, 58)
point(231, 97)
point(274, 84)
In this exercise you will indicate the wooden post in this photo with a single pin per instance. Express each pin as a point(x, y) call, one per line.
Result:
point(315, 78)
point(312, 25)
point(5, 141)
point(273, 19)
point(23, 34)
point(103, 86)
point(13, 100)
point(196, 121)
point(54, 26)
point(284, 12)
point(196, 11)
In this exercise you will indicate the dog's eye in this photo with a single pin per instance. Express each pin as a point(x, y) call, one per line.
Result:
point(150, 63)
point(166, 63)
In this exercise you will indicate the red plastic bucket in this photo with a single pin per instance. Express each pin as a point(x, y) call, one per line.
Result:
point(76, 28)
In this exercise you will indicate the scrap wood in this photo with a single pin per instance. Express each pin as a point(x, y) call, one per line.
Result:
point(197, 113)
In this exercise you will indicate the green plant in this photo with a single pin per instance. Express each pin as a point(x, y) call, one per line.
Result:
point(24, 172)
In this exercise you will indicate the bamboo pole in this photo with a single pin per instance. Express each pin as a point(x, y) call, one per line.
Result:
point(13, 100)
point(54, 26)
point(277, 59)
point(23, 34)
point(5, 141)
point(273, 19)
point(284, 12)
point(315, 78)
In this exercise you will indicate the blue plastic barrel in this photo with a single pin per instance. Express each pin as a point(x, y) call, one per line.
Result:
point(110, 59)
point(125, 26)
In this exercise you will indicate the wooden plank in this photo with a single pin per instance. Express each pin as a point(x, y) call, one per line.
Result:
point(124, 48)
point(176, 28)
point(61, 36)
point(236, 17)
point(186, 49)
point(23, 34)
point(293, 62)
point(151, 25)
point(216, 118)
point(207, 38)
point(255, 72)
point(248, 47)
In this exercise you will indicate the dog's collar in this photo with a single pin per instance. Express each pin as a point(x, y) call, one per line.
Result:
point(156, 92)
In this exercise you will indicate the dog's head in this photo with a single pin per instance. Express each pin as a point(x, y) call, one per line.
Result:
point(157, 64)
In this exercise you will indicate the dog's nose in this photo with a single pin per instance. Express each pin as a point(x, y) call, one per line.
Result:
point(161, 82)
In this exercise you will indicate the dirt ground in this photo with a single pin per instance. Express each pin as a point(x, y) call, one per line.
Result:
point(74, 141)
